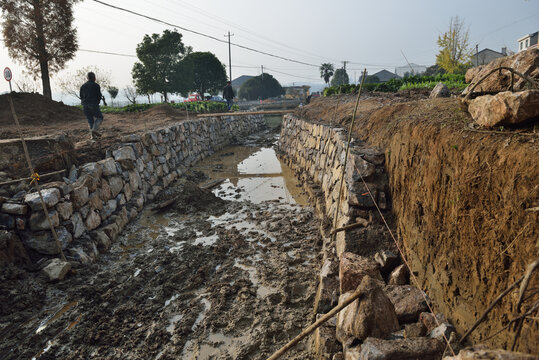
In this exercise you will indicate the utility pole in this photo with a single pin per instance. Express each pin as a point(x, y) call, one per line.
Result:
point(411, 69)
point(229, 57)
point(477, 55)
point(262, 67)
point(344, 64)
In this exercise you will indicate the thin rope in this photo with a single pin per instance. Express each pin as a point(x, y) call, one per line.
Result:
point(346, 157)
point(36, 183)
point(415, 280)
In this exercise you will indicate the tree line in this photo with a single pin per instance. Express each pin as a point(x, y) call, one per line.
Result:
point(40, 35)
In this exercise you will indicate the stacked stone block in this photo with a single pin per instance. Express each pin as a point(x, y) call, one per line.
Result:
point(92, 211)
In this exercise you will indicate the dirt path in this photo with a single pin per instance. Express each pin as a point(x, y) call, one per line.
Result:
point(219, 280)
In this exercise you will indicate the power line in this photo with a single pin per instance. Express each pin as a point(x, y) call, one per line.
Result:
point(202, 34)
point(283, 73)
point(107, 53)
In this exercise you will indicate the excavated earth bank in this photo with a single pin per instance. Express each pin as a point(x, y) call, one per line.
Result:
point(465, 202)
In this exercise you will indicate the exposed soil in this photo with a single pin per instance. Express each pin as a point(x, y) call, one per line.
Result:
point(464, 200)
point(205, 279)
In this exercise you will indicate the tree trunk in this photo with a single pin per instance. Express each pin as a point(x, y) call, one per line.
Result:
point(165, 97)
point(42, 49)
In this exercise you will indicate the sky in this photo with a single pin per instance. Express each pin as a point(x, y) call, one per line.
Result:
point(368, 34)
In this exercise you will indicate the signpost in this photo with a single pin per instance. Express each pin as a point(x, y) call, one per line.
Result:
point(8, 76)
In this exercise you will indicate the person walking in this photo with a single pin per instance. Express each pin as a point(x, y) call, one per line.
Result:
point(90, 96)
point(228, 94)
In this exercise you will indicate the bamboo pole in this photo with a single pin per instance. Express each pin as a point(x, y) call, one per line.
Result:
point(29, 178)
point(316, 325)
point(35, 181)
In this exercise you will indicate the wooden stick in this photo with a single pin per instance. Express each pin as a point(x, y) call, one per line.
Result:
point(240, 113)
point(27, 154)
point(491, 306)
point(316, 325)
point(363, 223)
point(29, 178)
point(212, 184)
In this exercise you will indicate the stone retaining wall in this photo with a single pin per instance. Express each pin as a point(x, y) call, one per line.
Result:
point(316, 152)
point(90, 210)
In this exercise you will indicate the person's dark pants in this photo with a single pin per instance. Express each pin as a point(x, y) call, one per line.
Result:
point(229, 103)
point(92, 111)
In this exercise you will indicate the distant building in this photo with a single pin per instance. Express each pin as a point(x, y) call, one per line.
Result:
point(412, 69)
point(238, 82)
point(294, 92)
point(527, 41)
point(385, 75)
point(485, 56)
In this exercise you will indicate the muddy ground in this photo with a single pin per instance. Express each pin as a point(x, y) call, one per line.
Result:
point(220, 280)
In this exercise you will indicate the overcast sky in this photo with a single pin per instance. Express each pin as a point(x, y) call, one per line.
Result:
point(371, 34)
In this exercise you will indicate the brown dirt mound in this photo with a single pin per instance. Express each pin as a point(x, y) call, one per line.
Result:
point(36, 110)
point(163, 110)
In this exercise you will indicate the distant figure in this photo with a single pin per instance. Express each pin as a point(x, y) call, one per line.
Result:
point(90, 96)
point(228, 94)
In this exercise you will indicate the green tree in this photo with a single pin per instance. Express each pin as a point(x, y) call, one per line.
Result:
point(340, 78)
point(161, 68)
point(113, 92)
point(40, 35)
point(208, 73)
point(263, 86)
point(455, 54)
point(434, 70)
point(326, 72)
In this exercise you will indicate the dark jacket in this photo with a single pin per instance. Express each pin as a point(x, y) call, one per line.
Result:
point(90, 93)
point(228, 92)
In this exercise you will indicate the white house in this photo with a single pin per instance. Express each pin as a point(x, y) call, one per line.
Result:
point(527, 41)
point(412, 69)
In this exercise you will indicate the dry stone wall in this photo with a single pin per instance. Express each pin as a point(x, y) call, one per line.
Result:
point(90, 209)
point(317, 153)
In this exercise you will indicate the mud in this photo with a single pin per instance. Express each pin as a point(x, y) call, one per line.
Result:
point(221, 279)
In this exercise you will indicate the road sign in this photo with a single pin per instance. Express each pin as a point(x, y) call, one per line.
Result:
point(7, 74)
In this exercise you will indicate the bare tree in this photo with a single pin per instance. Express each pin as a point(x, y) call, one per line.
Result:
point(71, 82)
point(131, 94)
point(27, 84)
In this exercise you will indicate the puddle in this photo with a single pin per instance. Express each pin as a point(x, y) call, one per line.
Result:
point(261, 290)
point(216, 344)
point(56, 316)
point(253, 174)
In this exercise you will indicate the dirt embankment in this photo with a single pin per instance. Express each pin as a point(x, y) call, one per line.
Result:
point(466, 202)
point(40, 116)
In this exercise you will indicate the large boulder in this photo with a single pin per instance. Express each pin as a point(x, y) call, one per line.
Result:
point(11, 249)
point(525, 62)
point(440, 90)
point(44, 243)
point(409, 302)
point(402, 349)
point(353, 268)
point(505, 108)
point(51, 197)
point(480, 352)
point(372, 315)
point(56, 270)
